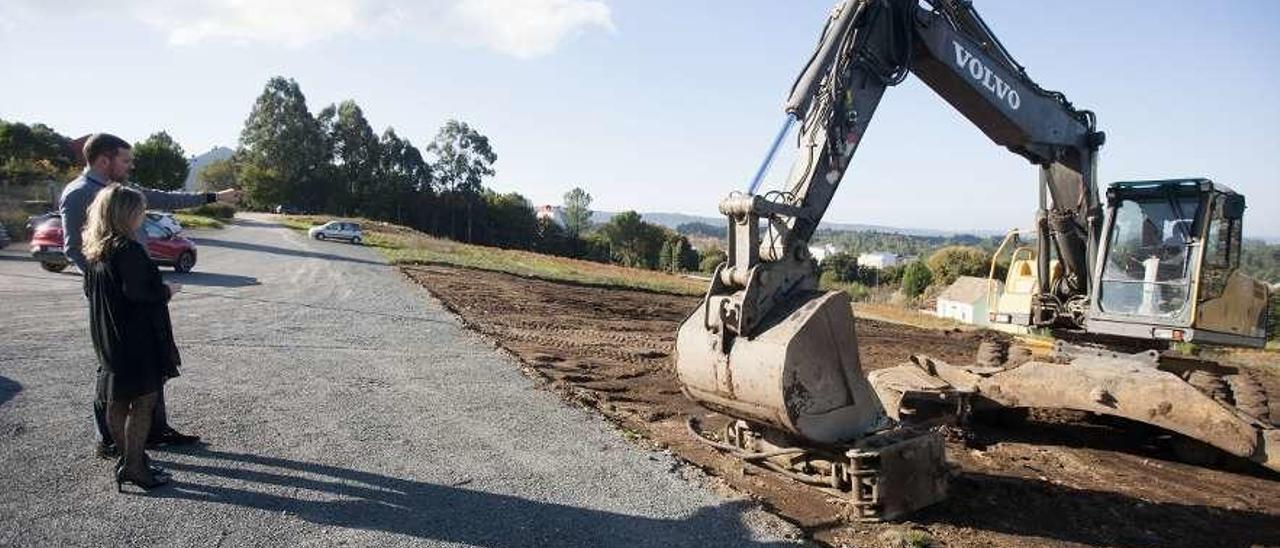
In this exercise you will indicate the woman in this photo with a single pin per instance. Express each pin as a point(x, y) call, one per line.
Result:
point(129, 322)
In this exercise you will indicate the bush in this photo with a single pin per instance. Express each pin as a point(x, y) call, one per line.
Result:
point(949, 263)
point(842, 266)
point(916, 277)
point(215, 210)
point(829, 281)
point(710, 258)
point(891, 275)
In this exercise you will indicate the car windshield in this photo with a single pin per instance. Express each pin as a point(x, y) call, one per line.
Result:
point(154, 230)
point(1149, 260)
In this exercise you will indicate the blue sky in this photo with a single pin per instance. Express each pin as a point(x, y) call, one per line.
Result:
point(662, 105)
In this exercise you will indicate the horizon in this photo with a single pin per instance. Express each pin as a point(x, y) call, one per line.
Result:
point(620, 96)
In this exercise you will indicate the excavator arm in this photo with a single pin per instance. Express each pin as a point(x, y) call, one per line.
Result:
point(866, 47)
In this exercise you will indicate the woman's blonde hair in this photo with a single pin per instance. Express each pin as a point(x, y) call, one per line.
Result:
point(111, 216)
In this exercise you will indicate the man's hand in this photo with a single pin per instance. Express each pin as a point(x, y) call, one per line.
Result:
point(174, 288)
point(229, 196)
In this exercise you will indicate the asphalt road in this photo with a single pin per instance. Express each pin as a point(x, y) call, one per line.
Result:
point(341, 405)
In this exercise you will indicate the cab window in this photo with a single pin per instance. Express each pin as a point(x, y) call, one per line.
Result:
point(1222, 250)
point(1150, 258)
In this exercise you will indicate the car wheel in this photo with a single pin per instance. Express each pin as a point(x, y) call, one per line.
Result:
point(320, 236)
point(186, 261)
point(54, 267)
point(355, 240)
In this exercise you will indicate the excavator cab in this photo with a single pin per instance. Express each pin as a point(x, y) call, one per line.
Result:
point(1168, 266)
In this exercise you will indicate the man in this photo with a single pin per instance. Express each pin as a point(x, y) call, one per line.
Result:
point(108, 160)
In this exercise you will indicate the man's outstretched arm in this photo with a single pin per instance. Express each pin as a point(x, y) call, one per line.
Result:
point(161, 199)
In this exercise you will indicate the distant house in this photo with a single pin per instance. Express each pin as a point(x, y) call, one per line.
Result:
point(878, 259)
point(548, 212)
point(966, 300)
point(821, 252)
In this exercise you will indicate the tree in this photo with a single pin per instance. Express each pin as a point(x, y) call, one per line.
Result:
point(665, 257)
point(890, 275)
point(686, 256)
point(842, 266)
point(462, 158)
point(949, 263)
point(357, 155)
point(1273, 331)
point(632, 241)
point(916, 277)
point(511, 220)
point(159, 162)
point(551, 239)
point(218, 175)
point(577, 212)
point(402, 176)
point(676, 255)
point(34, 154)
point(283, 151)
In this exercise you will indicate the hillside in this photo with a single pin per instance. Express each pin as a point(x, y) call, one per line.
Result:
point(199, 162)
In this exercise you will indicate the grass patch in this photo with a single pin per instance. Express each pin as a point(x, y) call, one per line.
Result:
point(907, 316)
point(856, 291)
point(301, 224)
point(188, 220)
point(403, 246)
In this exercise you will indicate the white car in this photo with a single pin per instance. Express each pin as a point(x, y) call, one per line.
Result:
point(337, 230)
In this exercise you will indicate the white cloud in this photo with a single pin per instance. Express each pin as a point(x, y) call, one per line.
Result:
point(527, 28)
point(282, 22)
point(521, 28)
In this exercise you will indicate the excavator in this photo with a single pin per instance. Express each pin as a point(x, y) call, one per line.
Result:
point(1158, 262)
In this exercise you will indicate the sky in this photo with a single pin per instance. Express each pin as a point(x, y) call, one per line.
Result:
point(664, 106)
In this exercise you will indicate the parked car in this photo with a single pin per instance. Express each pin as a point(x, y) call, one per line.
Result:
point(163, 245)
point(166, 220)
point(338, 230)
point(4, 237)
point(46, 242)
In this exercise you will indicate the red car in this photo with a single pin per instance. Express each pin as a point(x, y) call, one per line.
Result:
point(164, 246)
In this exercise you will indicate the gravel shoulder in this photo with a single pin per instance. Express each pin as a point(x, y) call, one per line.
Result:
point(340, 405)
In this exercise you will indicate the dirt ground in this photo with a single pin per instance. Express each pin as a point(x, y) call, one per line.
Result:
point(1057, 479)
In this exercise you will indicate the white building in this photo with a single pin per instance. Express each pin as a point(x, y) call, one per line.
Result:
point(821, 252)
point(966, 300)
point(878, 259)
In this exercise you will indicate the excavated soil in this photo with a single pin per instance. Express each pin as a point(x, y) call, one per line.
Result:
point(1056, 479)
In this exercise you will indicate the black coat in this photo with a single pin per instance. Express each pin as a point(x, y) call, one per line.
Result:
point(129, 323)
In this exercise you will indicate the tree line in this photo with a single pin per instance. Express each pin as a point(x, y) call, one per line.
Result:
point(334, 163)
point(38, 154)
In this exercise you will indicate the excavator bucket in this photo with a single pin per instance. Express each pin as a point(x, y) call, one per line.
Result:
point(799, 374)
point(807, 410)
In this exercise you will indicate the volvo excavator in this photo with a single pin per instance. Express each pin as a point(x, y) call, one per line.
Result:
point(1158, 262)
